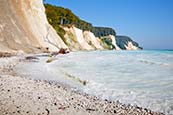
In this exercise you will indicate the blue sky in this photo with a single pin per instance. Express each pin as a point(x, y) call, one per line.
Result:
point(149, 22)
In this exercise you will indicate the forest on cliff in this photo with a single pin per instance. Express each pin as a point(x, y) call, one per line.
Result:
point(59, 16)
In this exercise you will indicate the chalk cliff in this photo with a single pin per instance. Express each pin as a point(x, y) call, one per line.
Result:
point(126, 43)
point(24, 26)
point(114, 42)
point(82, 35)
point(77, 39)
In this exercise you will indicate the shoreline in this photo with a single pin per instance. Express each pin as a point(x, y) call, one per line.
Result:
point(22, 95)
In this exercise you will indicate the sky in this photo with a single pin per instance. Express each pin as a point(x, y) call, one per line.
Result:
point(148, 22)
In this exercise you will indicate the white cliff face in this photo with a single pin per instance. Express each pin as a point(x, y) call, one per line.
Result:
point(130, 46)
point(71, 40)
point(34, 12)
point(80, 38)
point(114, 42)
point(24, 26)
point(92, 40)
point(77, 39)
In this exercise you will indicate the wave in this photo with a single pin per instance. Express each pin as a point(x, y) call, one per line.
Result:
point(153, 63)
point(144, 99)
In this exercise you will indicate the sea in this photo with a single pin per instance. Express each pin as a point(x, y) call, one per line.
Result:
point(143, 78)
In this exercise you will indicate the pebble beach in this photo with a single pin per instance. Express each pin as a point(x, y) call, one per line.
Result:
point(20, 95)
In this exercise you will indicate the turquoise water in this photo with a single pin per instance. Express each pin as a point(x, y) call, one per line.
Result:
point(143, 78)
